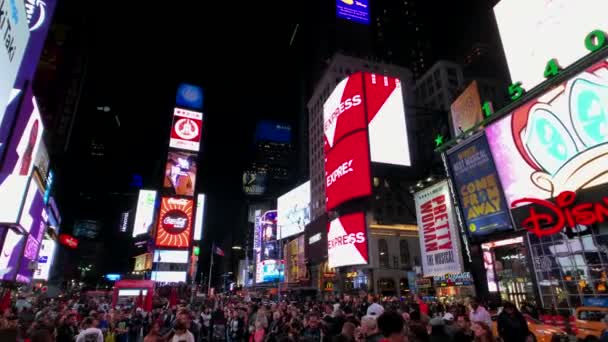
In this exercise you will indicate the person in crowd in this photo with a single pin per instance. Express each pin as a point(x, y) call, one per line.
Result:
point(236, 329)
point(259, 334)
point(312, 331)
point(154, 333)
point(181, 333)
point(483, 333)
point(347, 334)
point(205, 322)
point(464, 332)
point(67, 330)
point(121, 329)
point(369, 330)
point(450, 326)
point(511, 324)
point(90, 332)
point(479, 313)
point(391, 325)
point(375, 309)
point(438, 333)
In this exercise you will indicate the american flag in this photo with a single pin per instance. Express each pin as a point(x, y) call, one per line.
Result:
point(218, 250)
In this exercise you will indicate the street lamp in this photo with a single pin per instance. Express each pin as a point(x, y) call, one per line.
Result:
point(237, 248)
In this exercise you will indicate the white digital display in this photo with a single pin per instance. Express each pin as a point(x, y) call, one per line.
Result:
point(171, 256)
point(169, 276)
point(534, 31)
point(198, 219)
point(144, 215)
point(46, 256)
point(131, 292)
point(293, 211)
point(12, 193)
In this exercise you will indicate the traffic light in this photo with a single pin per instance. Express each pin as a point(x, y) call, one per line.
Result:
point(196, 250)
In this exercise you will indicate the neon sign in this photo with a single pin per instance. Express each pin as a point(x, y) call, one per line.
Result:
point(564, 213)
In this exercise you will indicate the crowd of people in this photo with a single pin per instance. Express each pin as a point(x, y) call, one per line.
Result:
point(362, 318)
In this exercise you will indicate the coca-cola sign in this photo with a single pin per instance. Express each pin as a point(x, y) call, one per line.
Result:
point(175, 222)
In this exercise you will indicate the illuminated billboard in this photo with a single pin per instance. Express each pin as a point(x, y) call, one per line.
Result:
point(199, 217)
point(189, 96)
point(353, 10)
point(174, 222)
point(46, 257)
point(373, 102)
point(10, 254)
point(68, 240)
point(254, 182)
point(534, 31)
point(171, 256)
point(293, 211)
point(439, 243)
point(180, 173)
point(32, 221)
point(267, 130)
point(270, 271)
point(186, 130)
point(15, 33)
point(168, 276)
point(347, 241)
point(347, 170)
point(89, 229)
point(270, 243)
point(466, 110)
point(144, 215)
point(556, 142)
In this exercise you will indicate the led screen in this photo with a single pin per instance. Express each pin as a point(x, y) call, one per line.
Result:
point(293, 211)
point(180, 173)
point(347, 170)
point(254, 182)
point(353, 10)
point(439, 244)
point(144, 214)
point(174, 222)
point(186, 130)
point(343, 111)
point(189, 96)
point(10, 255)
point(169, 276)
point(347, 241)
point(534, 31)
point(270, 244)
point(89, 229)
point(132, 292)
point(199, 217)
point(273, 131)
point(171, 256)
point(556, 142)
point(270, 271)
point(46, 256)
point(32, 222)
point(466, 110)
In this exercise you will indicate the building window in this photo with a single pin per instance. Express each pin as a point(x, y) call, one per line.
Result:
point(404, 252)
point(383, 253)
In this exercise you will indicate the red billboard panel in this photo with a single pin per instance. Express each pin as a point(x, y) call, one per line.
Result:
point(174, 222)
point(186, 130)
point(347, 170)
point(344, 112)
point(347, 241)
point(68, 240)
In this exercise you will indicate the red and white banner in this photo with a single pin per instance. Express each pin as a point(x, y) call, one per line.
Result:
point(386, 120)
point(347, 170)
point(186, 129)
point(344, 112)
point(439, 244)
point(174, 222)
point(347, 241)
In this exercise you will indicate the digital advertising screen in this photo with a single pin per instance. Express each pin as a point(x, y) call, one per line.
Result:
point(189, 96)
point(353, 10)
point(186, 130)
point(534, 31)
point(439, 243)
point(254, 182)
point(68, 241)
point(10, 254)
point(174, 222)
point(168, 276)
point(171, 256)
point(199, 218)
point(556, 142)
point(180, 173)
point(347, 170)
point(343, 111)
point(32, 218)
point(388, 138)
point(478, 188)
point(269, 238)
point(465, 111)
point(293, 211)
point(267, 130)
point(89, 229)
point(270, 271)
point(144, 214)
point(347, 241)
point(46, 256)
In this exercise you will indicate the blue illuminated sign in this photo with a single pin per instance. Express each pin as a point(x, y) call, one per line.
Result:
point(113, 276)
point(49, 184)
point(189, 96)
point(353, 10)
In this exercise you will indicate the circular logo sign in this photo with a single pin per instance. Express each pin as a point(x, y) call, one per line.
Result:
point(175, 221)
point(186, 129)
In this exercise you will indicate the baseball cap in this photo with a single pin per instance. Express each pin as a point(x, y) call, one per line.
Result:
point(437, 321)
point(448, 317)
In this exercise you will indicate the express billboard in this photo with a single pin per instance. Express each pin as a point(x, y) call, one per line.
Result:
point(439, 244)
point(556, 142)
point(373, 102)
point(174, 222)
point(144, 214)
point(478, 188)
point(353, 10)
point(534, 31)
point(347, 170)
point(186, 130)
point(293, 211)
point(180, 173)
point(465, 111)
point(199, 217)
point(347, 243)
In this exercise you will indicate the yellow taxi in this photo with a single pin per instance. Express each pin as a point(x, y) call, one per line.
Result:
point(591, 322)
point(542, 332)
